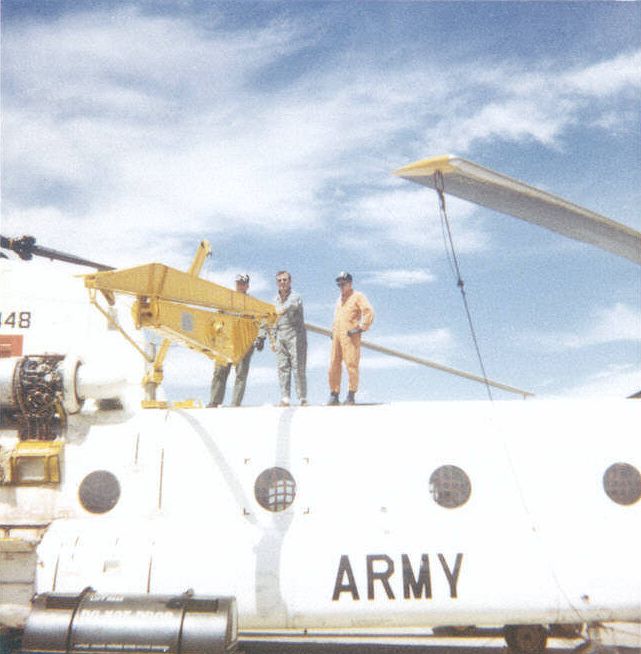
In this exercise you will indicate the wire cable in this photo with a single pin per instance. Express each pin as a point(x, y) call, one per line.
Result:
point(439, 185)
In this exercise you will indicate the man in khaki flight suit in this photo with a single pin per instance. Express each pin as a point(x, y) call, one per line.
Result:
point(221, 370)
point(353, 316)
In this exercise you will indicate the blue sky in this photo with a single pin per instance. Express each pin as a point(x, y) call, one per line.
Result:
point(132, 130)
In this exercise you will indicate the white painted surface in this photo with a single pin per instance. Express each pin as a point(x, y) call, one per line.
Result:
point(540, 540)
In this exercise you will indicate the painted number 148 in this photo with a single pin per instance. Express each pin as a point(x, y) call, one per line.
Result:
point(16, 319)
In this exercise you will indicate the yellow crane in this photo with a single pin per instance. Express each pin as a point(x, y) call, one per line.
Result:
point(220, 323)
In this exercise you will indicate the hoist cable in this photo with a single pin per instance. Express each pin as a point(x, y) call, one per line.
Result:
point(439, 185)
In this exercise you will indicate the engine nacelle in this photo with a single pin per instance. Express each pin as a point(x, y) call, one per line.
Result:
point(42, 389)
point(95, 623)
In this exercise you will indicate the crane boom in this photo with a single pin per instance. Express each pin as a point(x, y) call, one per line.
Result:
point(200, 314)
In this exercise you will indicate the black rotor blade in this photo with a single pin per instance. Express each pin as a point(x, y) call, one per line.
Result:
point(26, 249)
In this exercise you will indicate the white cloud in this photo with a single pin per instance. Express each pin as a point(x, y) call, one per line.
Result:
point(189, 369)
point(432, 340)
point(409, 217)
point(616, 323)
point(150, 123)
point(97, 60)
point(606, 78)
point(615, 381)
point(381, 362)
point(398, 278)
point(129, 136)
point(318, 354)
point(321, 308)
point(537, 105)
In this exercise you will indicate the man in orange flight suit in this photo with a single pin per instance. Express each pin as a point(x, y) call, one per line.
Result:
point(353, 315)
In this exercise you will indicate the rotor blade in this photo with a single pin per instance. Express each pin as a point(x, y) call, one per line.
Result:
point(485, 187)
point(26, 248)
point(426, 362)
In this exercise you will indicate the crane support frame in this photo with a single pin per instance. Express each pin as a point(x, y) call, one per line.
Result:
point(155, 280)
point(202, 315)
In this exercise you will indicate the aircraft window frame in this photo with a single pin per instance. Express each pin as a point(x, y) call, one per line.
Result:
point(275, 489)
point(622, 483)
point(99, 492)
point(450, 486)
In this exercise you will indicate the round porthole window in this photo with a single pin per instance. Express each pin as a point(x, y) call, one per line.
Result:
point(622, 483)
point(450, 486)
point(99, 491)
point(275, 489)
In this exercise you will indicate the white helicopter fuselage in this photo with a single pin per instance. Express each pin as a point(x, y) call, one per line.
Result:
point(368, 534)
point(395, 516)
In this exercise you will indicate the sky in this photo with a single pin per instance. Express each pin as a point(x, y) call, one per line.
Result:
point(131, 130)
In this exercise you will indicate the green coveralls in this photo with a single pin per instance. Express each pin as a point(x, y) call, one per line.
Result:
point(219, 380)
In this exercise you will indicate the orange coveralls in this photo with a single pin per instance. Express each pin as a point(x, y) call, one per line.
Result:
point(355, 311)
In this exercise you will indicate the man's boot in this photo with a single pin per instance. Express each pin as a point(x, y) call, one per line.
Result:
point(333, 399)
point(350, 398)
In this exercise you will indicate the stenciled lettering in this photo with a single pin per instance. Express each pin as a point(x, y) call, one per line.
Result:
point(452, 577)
point(345, 569)
point(15, 319)
point(411, 583)
point(380, 568)
point(382, 575)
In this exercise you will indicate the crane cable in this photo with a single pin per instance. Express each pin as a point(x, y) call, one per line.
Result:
point(439, 185)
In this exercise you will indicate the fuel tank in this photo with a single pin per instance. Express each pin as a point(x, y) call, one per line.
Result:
point(96, 623)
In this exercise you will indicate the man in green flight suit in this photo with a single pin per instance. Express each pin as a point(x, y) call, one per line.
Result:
point(221, 370)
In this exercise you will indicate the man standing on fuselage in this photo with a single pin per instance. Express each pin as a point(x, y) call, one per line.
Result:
point(291, 340)
point(353, 316)
point(221, 370)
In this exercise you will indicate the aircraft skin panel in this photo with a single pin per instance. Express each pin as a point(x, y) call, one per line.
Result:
point(55, 316)
point(395, 516)
point(474, 183)
point(364, 543)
